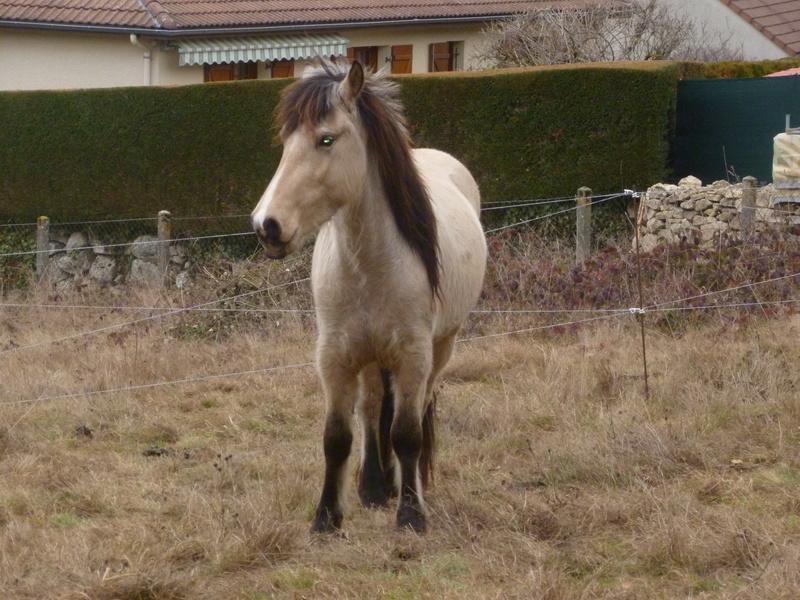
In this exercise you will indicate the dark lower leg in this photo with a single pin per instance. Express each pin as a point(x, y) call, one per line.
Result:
point(338, 439)
point(407, 444)
point(371, 488)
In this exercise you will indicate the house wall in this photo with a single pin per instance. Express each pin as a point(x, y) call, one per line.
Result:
point(720, 19)
point(168, 72)
point(34, 60)
point(39, 59)
point(421, 37)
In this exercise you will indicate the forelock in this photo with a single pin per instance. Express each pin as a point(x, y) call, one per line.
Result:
point(311, 98)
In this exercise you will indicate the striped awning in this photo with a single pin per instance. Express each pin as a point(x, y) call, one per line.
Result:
point(212, 51)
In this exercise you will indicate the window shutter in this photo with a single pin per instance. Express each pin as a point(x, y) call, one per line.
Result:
point(441, 57)
point(282, 69)
point(223, 72)
point(401, 59)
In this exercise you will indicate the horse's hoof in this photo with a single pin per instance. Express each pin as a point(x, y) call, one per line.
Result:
point(375, 504)
point(326, 521)
point(373, 498)
point(322, 526)
point(411, 518)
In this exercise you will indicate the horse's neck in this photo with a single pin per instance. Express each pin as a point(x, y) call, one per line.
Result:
point(367, 224)
point(365, 229)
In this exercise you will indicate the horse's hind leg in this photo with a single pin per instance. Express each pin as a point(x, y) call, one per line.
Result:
point(376, 477)
point(442, 351)
point(410, 378)
point(341, 390)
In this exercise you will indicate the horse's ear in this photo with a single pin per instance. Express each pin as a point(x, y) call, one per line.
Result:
point(351, 86)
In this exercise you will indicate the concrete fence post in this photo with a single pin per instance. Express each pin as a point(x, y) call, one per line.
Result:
point(42, 244)
point(748, 216)
point(583, 233)
point(164, 236)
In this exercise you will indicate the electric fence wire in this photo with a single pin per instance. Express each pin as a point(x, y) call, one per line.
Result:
point(501, 205)
point(201, 378)
point(205, 308)
point(210, 217)
point(662, 306)
point(554, 214)
point(170, 312)
point(666, 303)
point(9, 225)
point(608, 313)
point(57, 224)
point(121, 308)
point(145, 386)
point(500, 311)
point(781, 211)
point(487, 206)
point(149, 243)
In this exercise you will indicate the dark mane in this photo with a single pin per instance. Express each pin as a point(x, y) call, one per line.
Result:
point(310, 100)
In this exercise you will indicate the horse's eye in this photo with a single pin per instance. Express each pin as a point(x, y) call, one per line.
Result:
point(326, 141)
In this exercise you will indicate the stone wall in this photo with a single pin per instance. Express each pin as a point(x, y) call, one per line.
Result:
point(78, 258)
point(692, 211)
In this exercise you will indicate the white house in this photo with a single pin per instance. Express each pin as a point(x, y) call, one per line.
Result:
point(57, 44)
point(763, 29)
point(63, 44)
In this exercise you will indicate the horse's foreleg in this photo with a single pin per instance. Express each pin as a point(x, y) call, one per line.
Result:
point(341, 390)
point(407, 438)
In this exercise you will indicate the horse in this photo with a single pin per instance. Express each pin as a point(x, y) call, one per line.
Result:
point(398, 263)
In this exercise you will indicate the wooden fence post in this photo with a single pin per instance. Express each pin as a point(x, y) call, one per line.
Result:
point(583, 233)
point(747, 218)
point(42, 244)
point(164, 235)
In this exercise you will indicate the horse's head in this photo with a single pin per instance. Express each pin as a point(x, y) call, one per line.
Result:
point(324, 159)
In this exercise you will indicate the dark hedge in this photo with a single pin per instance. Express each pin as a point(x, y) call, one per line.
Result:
point(208, 149)
point(130, 152)
point(737, 69)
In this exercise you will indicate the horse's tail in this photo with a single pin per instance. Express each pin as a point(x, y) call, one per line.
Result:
point(385, 434)
point(428, 443)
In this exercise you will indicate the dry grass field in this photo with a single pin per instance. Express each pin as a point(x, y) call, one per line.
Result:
point(557, 477)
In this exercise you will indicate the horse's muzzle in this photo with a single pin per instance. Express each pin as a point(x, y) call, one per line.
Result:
point(269, 235)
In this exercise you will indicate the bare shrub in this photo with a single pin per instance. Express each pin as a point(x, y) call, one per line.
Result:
point(688, 284)
point(638, 30)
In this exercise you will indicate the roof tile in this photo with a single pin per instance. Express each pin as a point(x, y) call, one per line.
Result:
point(194, 14)
point(777, 19)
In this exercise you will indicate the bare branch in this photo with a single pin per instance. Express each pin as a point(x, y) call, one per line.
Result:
point(639, 30)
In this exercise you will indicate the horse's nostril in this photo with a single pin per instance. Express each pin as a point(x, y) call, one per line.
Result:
point(272, 229)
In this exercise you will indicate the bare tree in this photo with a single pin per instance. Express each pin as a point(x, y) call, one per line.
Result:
point(606, 31)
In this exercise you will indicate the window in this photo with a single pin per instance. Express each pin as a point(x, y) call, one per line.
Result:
point(366, 55)
point(444, 56)
point(280, 69)
point(229, 71)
